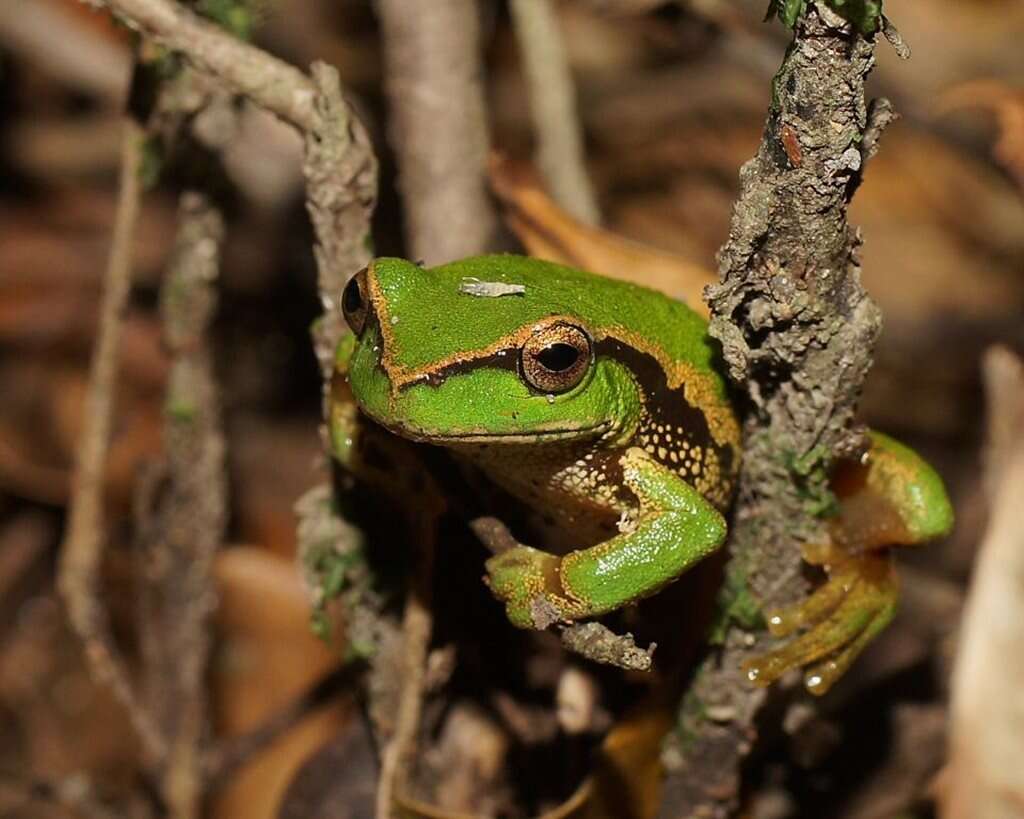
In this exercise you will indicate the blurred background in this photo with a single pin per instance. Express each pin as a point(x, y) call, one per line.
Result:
point(672, 98)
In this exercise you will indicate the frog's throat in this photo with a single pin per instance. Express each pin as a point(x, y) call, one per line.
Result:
point(699, 388)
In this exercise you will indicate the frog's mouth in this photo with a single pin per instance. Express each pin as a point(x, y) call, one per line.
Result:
point(426, 436)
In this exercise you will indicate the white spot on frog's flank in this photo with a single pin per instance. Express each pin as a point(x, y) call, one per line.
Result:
point(551, 399)
point(394, 320)
point(472, 286)
point(625, 524)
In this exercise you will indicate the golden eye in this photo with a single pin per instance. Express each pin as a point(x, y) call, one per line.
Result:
point(555, 358)
point(354, 304)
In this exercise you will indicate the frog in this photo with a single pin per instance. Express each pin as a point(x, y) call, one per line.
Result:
point(601, 404)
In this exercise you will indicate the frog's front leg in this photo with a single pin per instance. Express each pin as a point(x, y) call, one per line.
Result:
point(893, 498)
point(386, 463)
point(674, 527)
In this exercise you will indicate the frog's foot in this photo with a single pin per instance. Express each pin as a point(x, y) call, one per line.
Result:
point(528, 581)
point(842, 616)
point(890, 498)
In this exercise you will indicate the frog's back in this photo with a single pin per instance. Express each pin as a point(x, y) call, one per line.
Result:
point(608, 307)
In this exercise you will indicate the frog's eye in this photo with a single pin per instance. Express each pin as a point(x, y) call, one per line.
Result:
point(354, 304)
point(555, 358)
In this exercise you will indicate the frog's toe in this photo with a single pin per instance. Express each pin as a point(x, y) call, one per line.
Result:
point(520, 577)
point(825, 600)
point(842, 617)
point(820, 677)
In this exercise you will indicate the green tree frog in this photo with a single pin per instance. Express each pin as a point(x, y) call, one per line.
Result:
point(600, 404)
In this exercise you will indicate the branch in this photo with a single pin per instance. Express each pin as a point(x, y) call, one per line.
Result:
point(182, 509)
point(797, 330)
point(267, 81)
point(340, 168)
point(82, 550)
point(553, 105)
point(439, 129)
point(341, 192)
point(438, 125)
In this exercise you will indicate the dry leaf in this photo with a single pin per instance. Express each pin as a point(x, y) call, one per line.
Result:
point(548, 232)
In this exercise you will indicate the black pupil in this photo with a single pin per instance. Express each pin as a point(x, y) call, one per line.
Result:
point(352, 299)
point(558, 357)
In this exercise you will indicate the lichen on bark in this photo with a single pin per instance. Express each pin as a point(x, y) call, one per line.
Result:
point(797, 331)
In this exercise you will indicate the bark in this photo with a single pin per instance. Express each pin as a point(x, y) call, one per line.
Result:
point(797, 331)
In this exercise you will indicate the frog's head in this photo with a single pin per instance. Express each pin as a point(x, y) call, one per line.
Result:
point(491, 349)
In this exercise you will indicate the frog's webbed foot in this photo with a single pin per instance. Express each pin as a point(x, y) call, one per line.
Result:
point(893, 498)
point(842, 616)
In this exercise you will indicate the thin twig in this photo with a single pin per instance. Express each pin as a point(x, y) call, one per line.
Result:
point(267, 81)
point(417, 626)
point(341, 192)
point(82, 551)
point(553, 106)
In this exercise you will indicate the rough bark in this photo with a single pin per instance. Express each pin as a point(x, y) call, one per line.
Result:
point(182, 510)
point(797, 331)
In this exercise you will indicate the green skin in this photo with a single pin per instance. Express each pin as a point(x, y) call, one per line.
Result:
point(599, 404)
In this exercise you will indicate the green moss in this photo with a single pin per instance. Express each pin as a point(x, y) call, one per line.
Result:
point(237, 16)
point(151, 162)
point(866, 15)
point(335, 565)
point(811, 473)
point(181, 411)
point(735, 606)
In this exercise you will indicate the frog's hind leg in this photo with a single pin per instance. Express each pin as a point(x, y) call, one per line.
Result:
point(892, 498)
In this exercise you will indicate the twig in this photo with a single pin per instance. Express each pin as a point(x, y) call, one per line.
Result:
point(183, 511)
point(439, 130)
point(340, 172)
point(984, 778)
point(438, 125)
point(797, 330)
point(599, 643)
point(417, 625)
point(82, 550)
point(341, 191)
point(553, 105)
point(269, 82)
